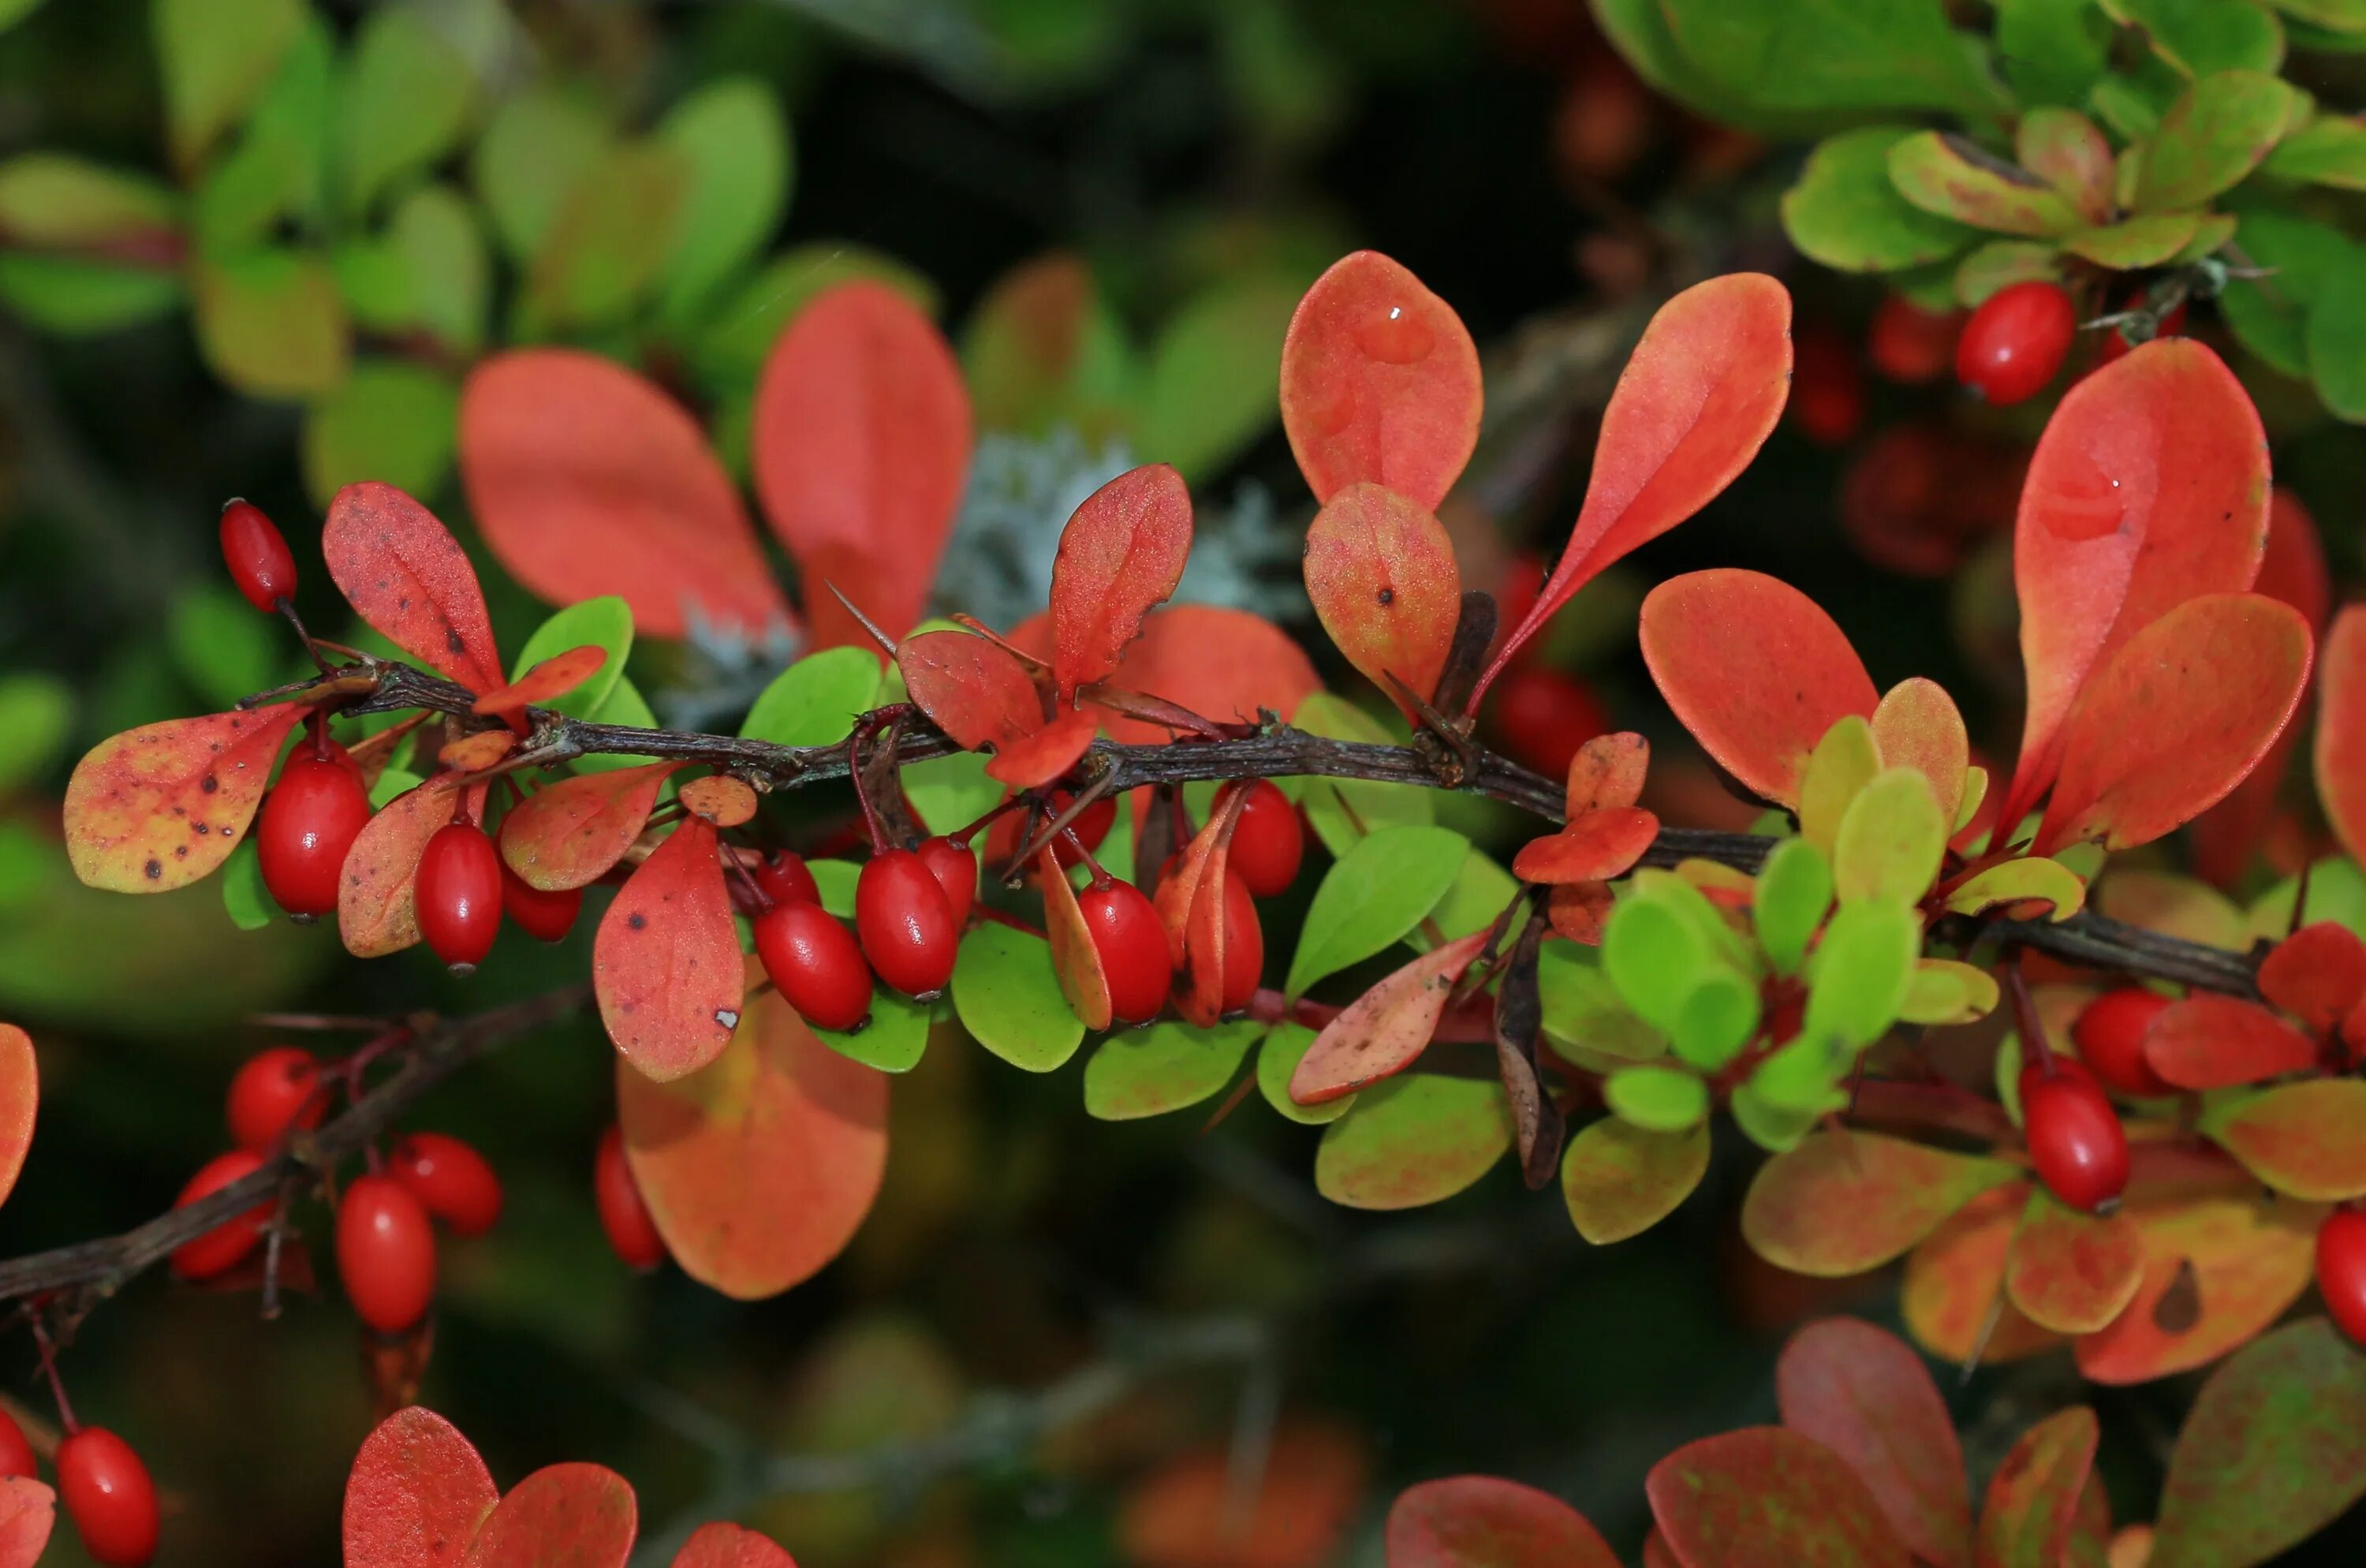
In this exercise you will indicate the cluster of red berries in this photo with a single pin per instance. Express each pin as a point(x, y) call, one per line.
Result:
point(910, 908)
point(105, 1488)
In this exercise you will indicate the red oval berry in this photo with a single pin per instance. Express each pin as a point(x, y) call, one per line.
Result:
point(2110, 1035)
point(2075, 1138)
point(109, 1495)
point(1539, 717)
point(1269, 842)
point(308, 822)
point(815, 964)
point(16, 1451)
point(954, 865)
point(1827, 400)
point(546, 917)
point(1243, 943)
point(782, 877)
point(457, 893)
point(452, 1181)
point(222, 1246)
point(257, 556)
point(622, 1212)
point(2341, 1270)
point(2015, 342)
point(907, 927)
point(1132, 943)
point(272, 1092)
point(386, 1253)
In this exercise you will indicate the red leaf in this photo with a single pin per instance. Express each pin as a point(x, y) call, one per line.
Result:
point(1384, 1030)
point(1755, 669)
point(726, 1545)
point(1864, 1394)
point(2175, 719)
point(974, 692)
point(1699, 396)
point(1190, 904)
point(586, 480)
point(1763, 1498)
point(2073, 1273)
point(860, 445)
point(2211, 1041)
point(159, 806)
point(2148, 488)
point(1379, 382)
point(555, 676)
point(28, 1511)
point(2318, 975)
point(2034, 1497)
point(1382, 573)
point(1595, 847)
point(375, 914)
point(758, 1169)
point(405, 574)
point(665, 965)
point(568, 834)
point(563, 1515)
point(20, 1098)
point(1074, 959)
point(1481, 1521)
point(1121, 556)
point(1220, 663)
point(416, 1495)
point(1033, 759)
point(1607, 771)
point(2341, 730)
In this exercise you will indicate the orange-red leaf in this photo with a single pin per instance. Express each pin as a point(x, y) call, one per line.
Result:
point(1194, 1511)
point(563, 1515)
point(555, 676)
point(568, 834)
point(587, 479)
point(759, 1168)
point(2148, 488)
point(666, 964)
point(1765, 1497)
point(1028, 760)
point(1384, 1030)
point(2032, 1498)
point(2219, 1268)
point(1481, 1521)
point(726, 1545)
point(1608, 770)
point(159, 806)
point(1382, 573)
point(2175, 719)
point(2307, 1138)
point(405, 574)
point(416, 1495)
point(1074, 959)
point(1190, 904)
point(2341, 730)
point(375, 914)
point(475, 754)
point(859, 445)
point(1221, 663)
point(1864, 1394)
point(1955, 1280)
point(1121, 556)
point(20, 1098)
point(2214, 1042)
point(1379, 381)
point(1845, 1202)
point(2318, 975)
point(2073, 1273)
point(1755, 669)
point(1595, 847)
point(974, 692)
point(1916, 724)
point(28, 1512)
point(721, 800)
point(1699, 396)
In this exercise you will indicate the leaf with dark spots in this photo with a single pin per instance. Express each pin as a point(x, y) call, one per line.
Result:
point(2220, 1266)
point(670, 986)
point(406, 575)
point(160, 807)
point(1121, 556)
point(1609, 770)
point(570, 833)
point(1519, 1019)
point(1382, 573)
point(1384, 1030)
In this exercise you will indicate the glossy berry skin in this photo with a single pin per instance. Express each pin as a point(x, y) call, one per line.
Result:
point(2110, 1036)
point(1243, 943)
point(1539, 717)
point(2341, 1270)
point(2075, 1138)
point(546, 917)
point(1911, 346)
point(2015, 342)
point(386, 1253)
point(257, 556)
point(109, 1495)
point(16, 1451)
point(782, 877)
point(907, 927)
point(623, 1214)
point(1269, 842)
point(1132, 943)
point(955, 868)
point(815, 964)
point(452, 1181)
point(458, 895)
point(272, 1092)
point(308, 822)
point(222, 1246)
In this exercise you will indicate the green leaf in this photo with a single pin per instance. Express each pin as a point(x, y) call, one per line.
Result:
point(1802, 1076)
point(892, 1040)
point(1953, 177)
point(1716, 1020)
point(602, 250)
point(1836, 54)
point(1858, 979)
point(2052, 52)
point(1583, 1012)
point(626, 705)
point(1891, 841)
point(2138, 243)
point(732, 137)
point(68, 295)
point(1045, 348)
point(1795, 888)
point(1478, 893)
point(215, 57)
point(1008, 998)
point(2302, 1138)
point(536, 148)
point(436, 233)
point(1277, 1057)
point(1377, 892)
point(2000, 263)
point(815, 701)
point(2328, 151)
point(272, 325)
point(393, 420)
point(1414, 1139)
point(375, 279)
point(2012, 881)
point(950, 792)
point(740, 331)
point(246, 899)
point(36, 716)
point(835, 880)
point(1640, 28)
point(1775, 1128)
point(14, 11)
point(2198, 37)
point(1214, 373)
point(220, 644)
point(1619, 1179)
point(1148, 1072)
point(1342, 811)
point(55, 200)
point(404, 103)
point(1847, 213)
point(1843, 763)
point(391, 782)
point(2270, 315)
point(2337, 350)
point(2212, 136)
point(1654, 958)
point(1657, 1098)
point(605, 622)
